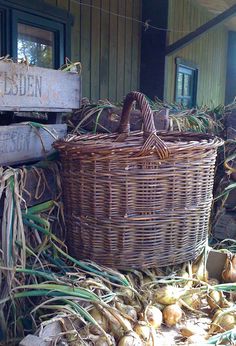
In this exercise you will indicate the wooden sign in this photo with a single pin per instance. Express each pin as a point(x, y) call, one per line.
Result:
point(23, 143)
point(25, 88)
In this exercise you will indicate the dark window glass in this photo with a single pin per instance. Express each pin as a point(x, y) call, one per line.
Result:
point(186, 85)
point(35, 44)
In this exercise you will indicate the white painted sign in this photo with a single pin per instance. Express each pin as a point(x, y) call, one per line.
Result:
point(23, 143)
point(25, 88)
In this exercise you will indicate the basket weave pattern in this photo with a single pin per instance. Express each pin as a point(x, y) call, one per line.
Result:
point(125, 209)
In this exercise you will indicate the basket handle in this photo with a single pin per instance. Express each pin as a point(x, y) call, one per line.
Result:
point(152, 141)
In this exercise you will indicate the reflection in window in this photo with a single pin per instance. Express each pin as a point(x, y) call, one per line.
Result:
point(36, 45)
point(186, 85)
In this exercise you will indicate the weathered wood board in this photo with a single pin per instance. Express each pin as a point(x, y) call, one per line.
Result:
point(25, 88)
point(22, 143)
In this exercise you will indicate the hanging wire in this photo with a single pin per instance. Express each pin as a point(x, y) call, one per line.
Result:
point(145, 24)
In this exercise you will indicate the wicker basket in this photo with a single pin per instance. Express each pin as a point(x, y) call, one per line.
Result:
point(139, 199)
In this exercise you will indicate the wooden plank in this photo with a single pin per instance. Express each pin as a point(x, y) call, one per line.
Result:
point(231, 68)
point(51, 2)
point(136, 39)
point(63, 4)
point(95, 50)
point(113, 50)
point(128, 46)
point(153, 49)
point(22, 143)
point(75, 34)
point(24, 88)
point(104, 60)
point(182, 42)
point(121, 52)
point(85, 46)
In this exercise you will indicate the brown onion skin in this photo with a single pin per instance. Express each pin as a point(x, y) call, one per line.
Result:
point(172, 314)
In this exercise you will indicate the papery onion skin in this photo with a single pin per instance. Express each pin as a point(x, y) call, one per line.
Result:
point(214, 299)
point(143, 330)
point(131, 339)
point(168, 294)
point(154, 316)
point(193, 301)
point(172, 314)
point(128, 310)
point(101, 320)
point(229, 272)
point(224, 323)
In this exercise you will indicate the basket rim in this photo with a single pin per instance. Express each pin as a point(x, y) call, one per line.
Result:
point(97, 143)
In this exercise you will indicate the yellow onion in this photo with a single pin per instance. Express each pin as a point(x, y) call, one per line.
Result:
point(229, 272)
point(101, 320)
point(130, 339)
point(143, 330)
point(193, 301)
point(117, 323)
point(172, 314)
point(153, 316)
point(183, 272)
point(214, 299)
point(128, 310)
point(168, 294)
point(127, 293)
point(222, 322)
point(199, 269)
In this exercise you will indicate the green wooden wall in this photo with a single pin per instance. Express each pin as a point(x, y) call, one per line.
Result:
point(107, 45)
point(208, 52)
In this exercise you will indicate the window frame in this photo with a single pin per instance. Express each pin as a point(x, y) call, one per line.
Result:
point(182, 64)
point(47, 17)
point(42, 23)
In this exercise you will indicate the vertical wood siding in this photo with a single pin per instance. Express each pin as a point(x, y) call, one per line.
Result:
point(208, 52)
point(107, 45)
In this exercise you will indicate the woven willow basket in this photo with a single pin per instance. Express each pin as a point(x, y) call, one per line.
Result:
point(139, 199)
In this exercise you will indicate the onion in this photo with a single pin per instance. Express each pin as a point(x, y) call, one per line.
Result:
point(127, 294)
point(172, 314)
point(101, 320)
point(214, 299)
point(143, 330)
point(130, 339)
point(127, 310)
point(118, 324)
point(193, 301)
point(168, 294)
point(199, 269)
point(229, 272)
point(154, 316)
point(222, 322)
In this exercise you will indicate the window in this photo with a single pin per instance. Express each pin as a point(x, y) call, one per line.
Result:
point(186, 83)
point(36, 44)
point(35, 31)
